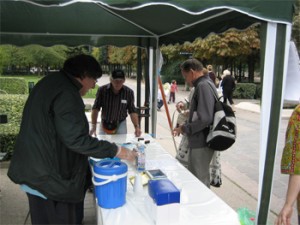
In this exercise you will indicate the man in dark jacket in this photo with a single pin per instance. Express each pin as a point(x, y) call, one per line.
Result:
point(201, 114)
point(228, 86)
point(50, 158)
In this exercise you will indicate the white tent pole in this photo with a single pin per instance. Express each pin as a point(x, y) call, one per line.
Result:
point(154, 88)
point(274, 76)
point(151, 75)
point(266, 98)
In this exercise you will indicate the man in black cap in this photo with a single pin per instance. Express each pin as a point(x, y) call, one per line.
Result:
point(116, 101)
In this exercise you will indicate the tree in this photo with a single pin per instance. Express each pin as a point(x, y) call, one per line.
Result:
point(19, 60)
point(232, 49)
point(5, 57)
point(296, 26)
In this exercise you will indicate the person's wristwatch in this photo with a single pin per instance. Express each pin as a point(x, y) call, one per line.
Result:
point(136, 126)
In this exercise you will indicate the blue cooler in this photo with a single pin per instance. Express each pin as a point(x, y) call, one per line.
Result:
point(110, 181)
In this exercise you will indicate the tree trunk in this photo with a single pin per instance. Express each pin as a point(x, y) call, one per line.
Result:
point(251, 66)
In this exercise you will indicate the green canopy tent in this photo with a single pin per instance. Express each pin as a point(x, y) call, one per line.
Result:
point(153, 23)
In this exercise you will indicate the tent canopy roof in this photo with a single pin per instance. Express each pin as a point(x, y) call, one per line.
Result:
point(124, 22)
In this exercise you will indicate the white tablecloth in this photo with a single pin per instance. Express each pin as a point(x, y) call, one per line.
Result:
point(198, 204)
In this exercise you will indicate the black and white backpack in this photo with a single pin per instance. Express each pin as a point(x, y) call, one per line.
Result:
point(222, 132)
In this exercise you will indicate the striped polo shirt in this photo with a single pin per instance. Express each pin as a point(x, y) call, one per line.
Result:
point(114, 106)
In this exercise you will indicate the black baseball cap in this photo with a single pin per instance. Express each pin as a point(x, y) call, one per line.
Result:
point(118, 74)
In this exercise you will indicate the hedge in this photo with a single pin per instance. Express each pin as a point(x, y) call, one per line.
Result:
point(245, 91)
point(11, 85)
point(12, 106)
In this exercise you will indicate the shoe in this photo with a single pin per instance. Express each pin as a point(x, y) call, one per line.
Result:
point(91, 189)
point(217, 184)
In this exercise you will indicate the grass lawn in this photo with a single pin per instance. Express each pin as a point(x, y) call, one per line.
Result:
point(35, 79)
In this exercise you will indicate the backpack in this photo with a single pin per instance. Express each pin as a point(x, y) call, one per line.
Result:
point(222, 132)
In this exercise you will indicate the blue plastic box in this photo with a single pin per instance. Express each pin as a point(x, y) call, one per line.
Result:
point(163, 192)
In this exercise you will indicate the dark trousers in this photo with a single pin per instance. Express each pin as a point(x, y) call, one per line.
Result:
point(228, 95)
point(79, 207)
point(172, 96)
point(46, 211)
point(160, 103)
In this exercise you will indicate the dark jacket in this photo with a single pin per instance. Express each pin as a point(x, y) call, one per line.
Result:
point(228, 84)
point(201, 112)
point(52, 148)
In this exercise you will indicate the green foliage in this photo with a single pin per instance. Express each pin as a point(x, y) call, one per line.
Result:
point(11, 85)
point(4, 57)
point(14, 60)
point(228, 49)
point(32, 78)
point(92, 93)
point(8, 137)
point(245, 91)
point(12, 106)
point(171, 71)
point(73, 51)
point(296, 25)
point(258, 91)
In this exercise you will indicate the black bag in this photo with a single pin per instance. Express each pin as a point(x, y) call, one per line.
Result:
point(110, 127)
point(222, 132)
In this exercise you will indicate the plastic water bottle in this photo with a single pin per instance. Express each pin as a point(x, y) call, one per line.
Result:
point(141, 158)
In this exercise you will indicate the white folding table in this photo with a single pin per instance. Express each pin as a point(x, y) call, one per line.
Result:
point(198, 204)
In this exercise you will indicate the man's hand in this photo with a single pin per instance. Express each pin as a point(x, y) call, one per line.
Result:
point(93, 130)
point(137, 131)
point(124, 153)
point(180, 106)
point(177, 131)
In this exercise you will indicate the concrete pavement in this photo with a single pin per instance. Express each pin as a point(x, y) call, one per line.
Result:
point(239, 165)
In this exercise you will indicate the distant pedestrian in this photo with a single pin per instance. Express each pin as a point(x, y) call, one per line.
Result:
point(160, 102)
point(173, 89)
point(212, 74)
point(228, 86)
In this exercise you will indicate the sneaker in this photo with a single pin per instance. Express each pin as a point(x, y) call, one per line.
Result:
point(216, 184)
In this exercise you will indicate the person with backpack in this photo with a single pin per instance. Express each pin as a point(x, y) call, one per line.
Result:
point(201, 114)
point(215, 166)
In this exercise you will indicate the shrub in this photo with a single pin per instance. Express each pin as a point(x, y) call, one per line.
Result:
point(171, 71)
point(245, 91)
point(10, 85)
point(258, 91)
point(12, 106)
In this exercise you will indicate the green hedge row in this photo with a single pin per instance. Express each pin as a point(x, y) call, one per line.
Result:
point(10, 85)
point(245, 91)
point(12, 106)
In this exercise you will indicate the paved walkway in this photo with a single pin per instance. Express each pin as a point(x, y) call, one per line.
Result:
point(239, 165)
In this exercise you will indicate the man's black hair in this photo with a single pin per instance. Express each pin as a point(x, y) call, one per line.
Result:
point(83, 65)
